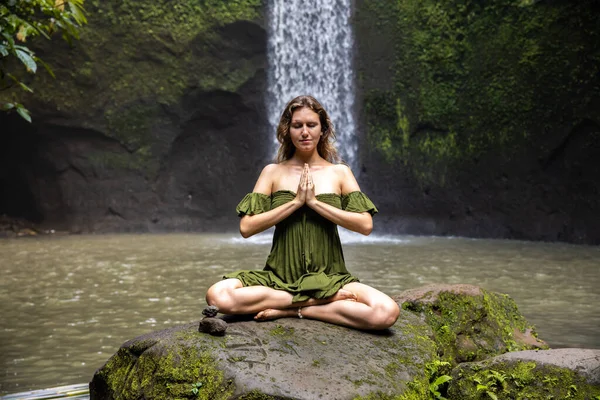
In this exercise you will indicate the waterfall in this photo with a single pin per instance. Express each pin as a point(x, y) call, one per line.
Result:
point(310, 52)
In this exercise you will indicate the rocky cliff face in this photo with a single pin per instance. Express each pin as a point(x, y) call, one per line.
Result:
point(155, 121)
point(482, 120)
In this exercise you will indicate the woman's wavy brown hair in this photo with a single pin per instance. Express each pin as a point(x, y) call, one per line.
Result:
point(325, 147)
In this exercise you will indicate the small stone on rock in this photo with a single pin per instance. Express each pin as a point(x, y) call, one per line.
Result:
point(213, 326)
point(210, 311)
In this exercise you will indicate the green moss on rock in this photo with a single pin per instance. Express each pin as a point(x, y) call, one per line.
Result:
point(136, 57)
point(173, 373)
point(469, 323)
point(282, 331)
point(520, 380)
point(473, 78)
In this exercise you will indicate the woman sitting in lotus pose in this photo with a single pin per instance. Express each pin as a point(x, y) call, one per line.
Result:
point(305, 195)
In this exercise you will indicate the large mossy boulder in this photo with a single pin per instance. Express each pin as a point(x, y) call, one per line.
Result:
point(306, 359)
point(470, 323)
point(284, 359)
point(534, 375)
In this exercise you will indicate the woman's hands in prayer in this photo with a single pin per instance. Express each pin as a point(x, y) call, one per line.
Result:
point(306, 188)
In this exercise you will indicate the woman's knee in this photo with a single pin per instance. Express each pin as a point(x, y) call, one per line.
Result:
point(219, 295)
point(385, 314)
point(212, 295)
point(384, 310)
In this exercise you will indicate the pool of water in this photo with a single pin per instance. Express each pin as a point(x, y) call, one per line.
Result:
point(68, 303)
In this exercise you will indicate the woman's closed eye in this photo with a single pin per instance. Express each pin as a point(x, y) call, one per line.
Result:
point(298, 126)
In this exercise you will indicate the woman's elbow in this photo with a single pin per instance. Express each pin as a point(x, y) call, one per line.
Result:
point(245, 230)
point(244, 233)
point(367, 228)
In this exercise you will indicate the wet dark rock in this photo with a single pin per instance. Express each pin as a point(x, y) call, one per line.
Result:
point(20, 227)
point(210, 311)
point(284, 359)
point(213, 326)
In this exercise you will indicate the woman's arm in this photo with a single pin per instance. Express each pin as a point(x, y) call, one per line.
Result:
point(357, 222)
point(253, 224)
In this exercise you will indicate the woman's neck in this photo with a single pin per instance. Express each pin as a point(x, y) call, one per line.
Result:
point(310, 158)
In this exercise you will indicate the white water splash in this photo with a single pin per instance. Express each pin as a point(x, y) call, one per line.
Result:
point(310, 52)
point(346, 237)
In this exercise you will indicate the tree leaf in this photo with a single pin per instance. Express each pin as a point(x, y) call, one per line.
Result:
point(27, 60)
point(442, 379)
point(492, 395)
point(77, 11)
point(8, 106)
point(45, 65)
point(25, 87)
point(23, 113)
point(9, 39)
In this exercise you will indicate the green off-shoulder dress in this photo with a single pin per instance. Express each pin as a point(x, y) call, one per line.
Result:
point(306, 258)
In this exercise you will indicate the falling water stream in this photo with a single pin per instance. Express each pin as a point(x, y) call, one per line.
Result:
point(310, 52)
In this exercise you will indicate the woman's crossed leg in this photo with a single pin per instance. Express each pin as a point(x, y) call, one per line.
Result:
point(355, 305)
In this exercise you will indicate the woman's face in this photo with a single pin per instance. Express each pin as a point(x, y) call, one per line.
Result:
point(305, 129)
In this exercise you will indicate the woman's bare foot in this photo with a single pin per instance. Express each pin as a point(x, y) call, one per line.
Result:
point(341, 294)
point(271, 313)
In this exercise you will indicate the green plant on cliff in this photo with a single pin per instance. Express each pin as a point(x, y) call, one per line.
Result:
point(166, 49)
point(470, 78)
point(22, 20)
point(437, 371)
point(136, 59)
point(196, 388)
point(520, 380)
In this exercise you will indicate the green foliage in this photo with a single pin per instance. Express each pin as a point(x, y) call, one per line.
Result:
point(179, 40)
point(280, 330)
point(184, 18)
point(196, 387)
point(519, 380)
point(23, 20)
point(437, 371)
point(137, 58)
point(472, 77)
point(495, 381)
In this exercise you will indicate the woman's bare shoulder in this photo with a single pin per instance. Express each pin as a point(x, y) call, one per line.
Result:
point(270, 168)
point(347, 180)
point(342, 170)
point(265, 181)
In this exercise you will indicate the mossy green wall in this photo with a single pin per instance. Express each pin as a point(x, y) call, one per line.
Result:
point(466, 79)
point(139, 49)
point(134, 60)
